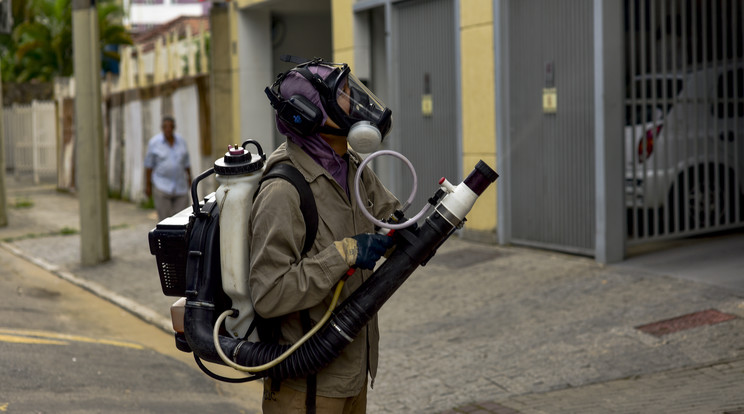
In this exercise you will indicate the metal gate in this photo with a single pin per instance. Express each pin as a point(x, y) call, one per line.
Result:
point(31, 136)
point(550, 136)
point(426, 120)
point(684, 117)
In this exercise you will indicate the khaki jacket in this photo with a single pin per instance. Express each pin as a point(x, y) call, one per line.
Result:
point(282, 282)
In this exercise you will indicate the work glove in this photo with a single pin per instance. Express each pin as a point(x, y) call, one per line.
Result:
point(363, 250)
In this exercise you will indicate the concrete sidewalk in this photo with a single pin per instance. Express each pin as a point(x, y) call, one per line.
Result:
point(487, 329)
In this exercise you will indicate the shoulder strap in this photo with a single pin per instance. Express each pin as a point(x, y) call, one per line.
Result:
point(310, 215)
point(307, 200)
point(312, 379)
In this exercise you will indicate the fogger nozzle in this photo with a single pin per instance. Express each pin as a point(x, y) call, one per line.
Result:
point(480, 178)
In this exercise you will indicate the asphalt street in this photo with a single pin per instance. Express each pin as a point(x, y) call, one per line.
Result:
point(65, 350)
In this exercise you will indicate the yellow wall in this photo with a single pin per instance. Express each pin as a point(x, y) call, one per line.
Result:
point(245, 3)
point(342, 16)
point(478, 106)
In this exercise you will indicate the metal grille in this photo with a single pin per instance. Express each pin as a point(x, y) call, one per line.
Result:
point(684, 117)
point(551, 154)
point(169, 242)
point(425, 52)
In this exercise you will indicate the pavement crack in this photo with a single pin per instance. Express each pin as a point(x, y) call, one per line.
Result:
point(498, 385)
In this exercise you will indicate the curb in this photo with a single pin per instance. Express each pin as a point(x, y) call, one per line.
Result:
point(136, 309)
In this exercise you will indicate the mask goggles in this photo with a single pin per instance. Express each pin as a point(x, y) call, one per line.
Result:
point(354, 102)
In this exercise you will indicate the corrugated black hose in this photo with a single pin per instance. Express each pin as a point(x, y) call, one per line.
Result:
point(413, 248)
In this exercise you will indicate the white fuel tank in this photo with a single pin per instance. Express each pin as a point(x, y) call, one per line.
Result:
point(238, 175)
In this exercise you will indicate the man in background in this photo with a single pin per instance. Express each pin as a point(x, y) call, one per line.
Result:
point(167, 170)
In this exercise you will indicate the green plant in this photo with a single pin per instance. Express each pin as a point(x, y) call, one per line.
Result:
point(40, 45)
point(115, 194)
point(23, 203)
point(66, 231)
point(147, 204)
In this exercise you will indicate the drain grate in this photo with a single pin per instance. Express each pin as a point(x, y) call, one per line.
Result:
point(689, 321)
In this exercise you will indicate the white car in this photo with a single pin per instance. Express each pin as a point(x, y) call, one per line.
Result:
point(684, 147)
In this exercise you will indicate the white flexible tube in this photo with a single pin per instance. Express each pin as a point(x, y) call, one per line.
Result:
point(363, 205)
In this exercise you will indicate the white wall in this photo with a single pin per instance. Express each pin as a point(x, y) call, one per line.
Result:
point(161, 13)
point(263, 37)
point(306, 35)
point(133, 187)
point(185, 111)
point(114, 148)
point(255, 72)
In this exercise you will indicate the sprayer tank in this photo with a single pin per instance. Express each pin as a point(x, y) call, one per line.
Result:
point(238, 174)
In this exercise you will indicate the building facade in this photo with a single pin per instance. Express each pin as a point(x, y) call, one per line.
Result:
point(583, 106)
point(431, 61)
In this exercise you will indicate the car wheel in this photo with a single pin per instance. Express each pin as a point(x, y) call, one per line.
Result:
point(702, 202)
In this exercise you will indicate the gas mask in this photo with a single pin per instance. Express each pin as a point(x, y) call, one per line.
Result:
point(360, 115)
point(367, 118)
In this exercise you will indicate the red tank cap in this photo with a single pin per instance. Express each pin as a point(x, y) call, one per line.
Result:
point(441, 180)
point(235, 150)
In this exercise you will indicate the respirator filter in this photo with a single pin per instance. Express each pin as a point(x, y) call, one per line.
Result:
point(364, 137)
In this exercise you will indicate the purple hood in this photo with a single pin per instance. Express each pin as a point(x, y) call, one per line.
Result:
point(314, 145)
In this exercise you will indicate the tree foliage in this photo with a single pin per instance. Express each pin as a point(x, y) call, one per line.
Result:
point(40, 46)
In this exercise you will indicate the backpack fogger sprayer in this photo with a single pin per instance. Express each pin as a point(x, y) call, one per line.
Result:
point(202, 255)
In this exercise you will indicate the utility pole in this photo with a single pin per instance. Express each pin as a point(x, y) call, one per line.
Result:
point(91, 179)
point(6, 26)
point(223, 74)
point(3, 202)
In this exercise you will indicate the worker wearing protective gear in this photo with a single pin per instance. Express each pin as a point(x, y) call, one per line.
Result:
point(283, 282)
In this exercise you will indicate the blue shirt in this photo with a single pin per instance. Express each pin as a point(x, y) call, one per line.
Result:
point(168, 164)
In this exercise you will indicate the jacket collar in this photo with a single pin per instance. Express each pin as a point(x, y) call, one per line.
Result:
point(311, 170)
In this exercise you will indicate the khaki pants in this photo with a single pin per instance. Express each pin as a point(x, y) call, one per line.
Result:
point(168, 205)
point(289, 401)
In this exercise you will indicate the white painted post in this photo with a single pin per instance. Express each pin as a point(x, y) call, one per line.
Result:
point(125, 69)
point(35, 141)
point(177, 61)
point(190, 53)
point(158, 67)
point(141, 78)
point(169, 72)
point(202, 49)
point(3, 202)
